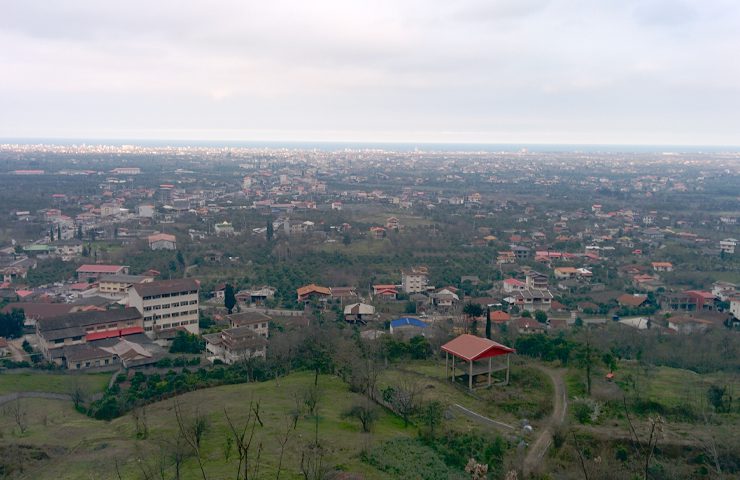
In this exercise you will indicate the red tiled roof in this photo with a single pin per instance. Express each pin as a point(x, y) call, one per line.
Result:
point(469, 347)
point(500, 316)
point(313, 288)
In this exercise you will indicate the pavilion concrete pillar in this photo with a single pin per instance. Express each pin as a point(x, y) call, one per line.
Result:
point(508, 356)
point(489, 370)
point(453, 368)
point(447, 366)
point(470, 376)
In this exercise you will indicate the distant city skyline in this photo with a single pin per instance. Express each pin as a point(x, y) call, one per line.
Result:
point(631, 72)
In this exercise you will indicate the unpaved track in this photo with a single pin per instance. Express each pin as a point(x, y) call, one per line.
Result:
point(539, 447)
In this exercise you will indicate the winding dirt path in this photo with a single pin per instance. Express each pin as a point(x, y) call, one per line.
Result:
point(539, 447)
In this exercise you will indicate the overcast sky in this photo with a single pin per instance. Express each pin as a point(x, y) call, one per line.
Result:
point(495, 71)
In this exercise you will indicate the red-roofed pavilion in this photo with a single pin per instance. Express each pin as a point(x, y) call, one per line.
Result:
point(471, 349)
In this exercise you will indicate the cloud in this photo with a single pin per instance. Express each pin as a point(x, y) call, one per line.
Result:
point(530, 68)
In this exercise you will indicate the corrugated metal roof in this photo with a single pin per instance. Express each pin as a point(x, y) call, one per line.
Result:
point(469, 347)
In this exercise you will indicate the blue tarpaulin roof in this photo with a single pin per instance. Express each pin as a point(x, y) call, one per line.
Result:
point(408, 321)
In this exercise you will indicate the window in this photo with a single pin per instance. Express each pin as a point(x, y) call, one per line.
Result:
point(106, 361)
point(77, 338)
point(166, 315)
point(58, 341)
point(78, 365)
point(147, 329)
point(147, 309)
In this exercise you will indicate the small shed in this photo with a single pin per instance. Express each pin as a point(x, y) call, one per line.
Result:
point(473, 349)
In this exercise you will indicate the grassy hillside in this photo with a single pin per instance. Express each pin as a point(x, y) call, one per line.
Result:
point(79, 447)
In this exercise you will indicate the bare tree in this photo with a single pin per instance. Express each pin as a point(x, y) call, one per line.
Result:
point(192, 431)
point(406, 400)
point(177, 451)
point(78, 393)
point(313, 466)
point(283, 442)
point(365, 412)
point(138, 414)
point(20, 415)
point(244, 438)
point(297, 410)
point(644, 450)
point(311, 398)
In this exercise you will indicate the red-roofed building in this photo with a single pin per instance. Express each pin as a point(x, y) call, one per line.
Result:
point(162, 241)
point(513, 285)
point(499, 316)
point(95, 271)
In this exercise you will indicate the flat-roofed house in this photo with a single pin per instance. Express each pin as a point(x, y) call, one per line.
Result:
point(167, 305)
point(117, 286)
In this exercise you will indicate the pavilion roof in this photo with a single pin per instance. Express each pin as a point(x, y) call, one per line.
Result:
point(470, 348)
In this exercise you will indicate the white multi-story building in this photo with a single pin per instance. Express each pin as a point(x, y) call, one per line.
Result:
point(728, 245)
point(735, 306)
point(415, 280)
point(167, 304)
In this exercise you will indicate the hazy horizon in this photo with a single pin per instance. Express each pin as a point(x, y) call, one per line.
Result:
point(636, 72)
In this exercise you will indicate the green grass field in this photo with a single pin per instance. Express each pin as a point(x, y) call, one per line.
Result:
point(11, 382)
point(529, 394)
point(675, 386)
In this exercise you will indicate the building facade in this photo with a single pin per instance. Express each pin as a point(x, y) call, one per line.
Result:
point(167, 304)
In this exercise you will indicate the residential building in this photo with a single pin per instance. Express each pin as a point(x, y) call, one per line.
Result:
point(415, 280)
point(445, 298)
point(258, 322)
point(234, 345)
point(167, 304)
point(735, 306)
point(162, 241)
point(117, 286)
point(728, 245)
point(224, 228)
point(88, 272)
point(531, 299)
point(313, 291)
point(513, 285)
point(256, 296)
point(536, 280)
point(385, 292)
point(662, 266)
point(358, 312)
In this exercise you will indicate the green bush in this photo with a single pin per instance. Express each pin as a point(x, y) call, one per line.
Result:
point(409, 459)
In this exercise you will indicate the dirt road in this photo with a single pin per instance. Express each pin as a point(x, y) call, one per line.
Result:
point(539, 447)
